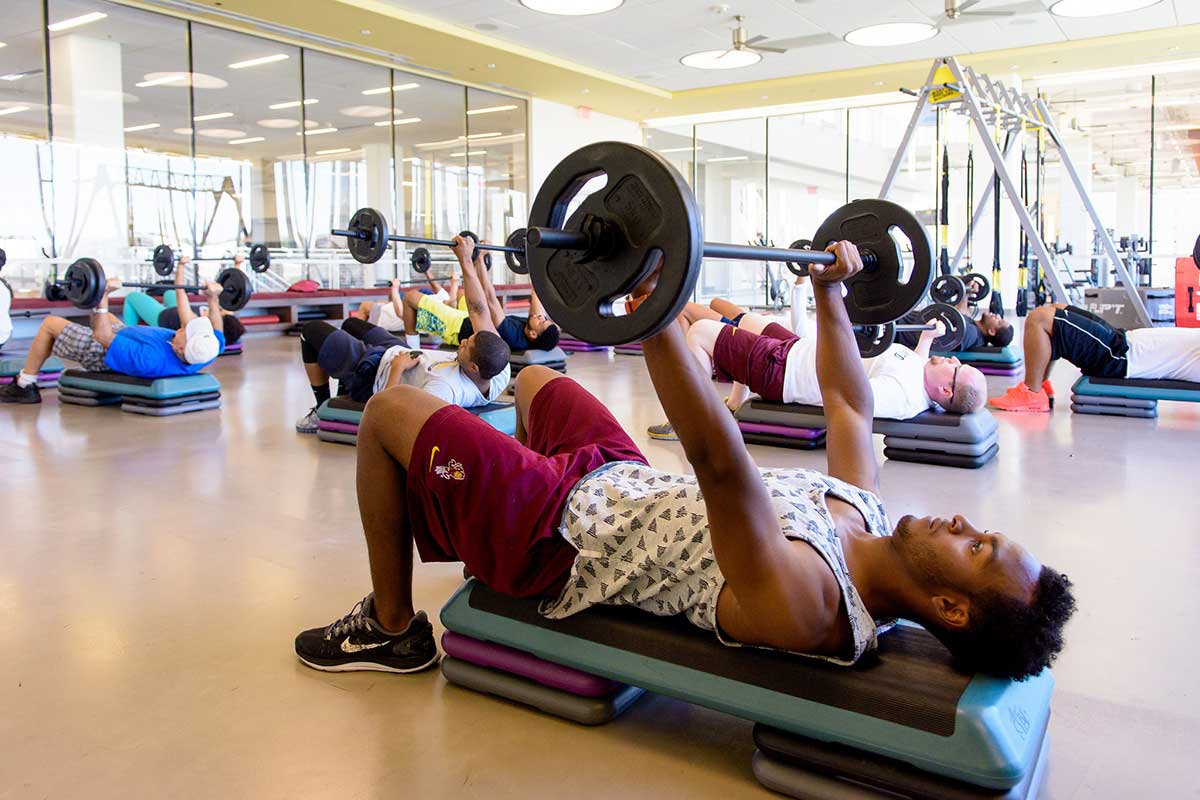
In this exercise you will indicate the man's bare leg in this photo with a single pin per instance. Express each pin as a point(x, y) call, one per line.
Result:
point(725, 308)
point(702, 341)
point(389, 429)
point(412, 300)
point(43, 342)
point(1038, 326)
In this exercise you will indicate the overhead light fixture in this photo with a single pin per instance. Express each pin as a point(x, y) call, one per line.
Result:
point(333, 151)
point(491, 110)
point(728, 158)
point(488, 135)
point(174, 77)
point(4, 112)
point(316, 131)
point(891, 34)
point(572, 8)
point(1098, 8)
point(409, 184)
point(678, 149)
point(1133, 71)
point(217, 115)
point(149, 126)
point(75, 22)
point(468, 153)
point(721, 59)
point(278, 122)
point(291, 104)
point(2, 44)
point(184, 131)
point(400, 87)
point(248, 140)
point(255, 62)
point(413, 160)
point(405, 121)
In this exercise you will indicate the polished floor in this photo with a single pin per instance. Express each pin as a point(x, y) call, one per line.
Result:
point(153, 573)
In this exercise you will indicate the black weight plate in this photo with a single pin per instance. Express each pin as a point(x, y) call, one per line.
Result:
point(235, 289)
point(517, 262)
point(84, 283)
point(655, 219)
point(947, 289)
point(800, 270)
point(874, 340)
point(469, 235)
point(260, 258)
point(879, 293)
point(956, 326)
point(1196, 252)
point(372, 248)
point(420, 260)
point(54, 292)
point(164, 260)
point(3, 257)
point(984, 286)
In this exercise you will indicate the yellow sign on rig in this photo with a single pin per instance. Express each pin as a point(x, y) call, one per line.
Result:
point(941, 93)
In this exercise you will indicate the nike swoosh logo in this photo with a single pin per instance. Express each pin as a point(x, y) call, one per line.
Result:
point(347, 647)
point(433, 454)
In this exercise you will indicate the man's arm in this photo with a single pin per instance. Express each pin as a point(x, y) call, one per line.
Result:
point(489, 291)
point(186, 314)
point(401, 364)
point(102, 330)
point(395, 299)
point(477, 305)
point(925, 342)
point(845, 392)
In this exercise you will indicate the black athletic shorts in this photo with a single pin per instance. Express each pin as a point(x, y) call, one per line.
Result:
point(1090, 343)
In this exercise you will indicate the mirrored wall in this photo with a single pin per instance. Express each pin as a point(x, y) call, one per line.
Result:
point(123, 129)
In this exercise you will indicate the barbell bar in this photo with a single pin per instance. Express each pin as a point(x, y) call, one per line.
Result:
point(84, 284)
point(259, 258)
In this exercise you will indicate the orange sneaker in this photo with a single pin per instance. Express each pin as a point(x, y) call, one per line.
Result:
point(1022, 398)
point(1048, 388)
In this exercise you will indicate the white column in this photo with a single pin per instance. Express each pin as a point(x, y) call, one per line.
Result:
point(377, 159)
point(1074, 224)
point(92, 214)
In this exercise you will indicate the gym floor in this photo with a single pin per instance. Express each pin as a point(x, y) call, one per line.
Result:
point(155, 572)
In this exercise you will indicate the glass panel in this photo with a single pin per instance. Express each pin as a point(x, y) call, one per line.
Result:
point(1176, 174)
point(25, 203)
point(122, 142)
point(497, 173)
point(731, 180)
point(250, 178)
point(351, 168)
point(675, 143)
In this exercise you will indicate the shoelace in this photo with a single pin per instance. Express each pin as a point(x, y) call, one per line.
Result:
point(355, 620)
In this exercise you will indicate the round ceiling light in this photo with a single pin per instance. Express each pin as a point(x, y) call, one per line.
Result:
point(721, 59)
point(180, 80)
point(366, 112)
point(220, 133)
point(278, 122)
point(572, 8)
point(1098, 8)
point(890, 34)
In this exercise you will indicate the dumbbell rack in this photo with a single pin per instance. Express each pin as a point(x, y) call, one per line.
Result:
point(989, 102)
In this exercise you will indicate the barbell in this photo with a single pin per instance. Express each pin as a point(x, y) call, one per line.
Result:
point(163, 259)
point(84, 282)
point(951, 289)
point(646, 217)
point(874, 340)
point(421, 260)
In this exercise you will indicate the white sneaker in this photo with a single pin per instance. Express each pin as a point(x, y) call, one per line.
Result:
point(307, 423)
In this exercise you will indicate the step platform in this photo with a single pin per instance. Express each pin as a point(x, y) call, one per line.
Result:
point(338, 419)
point(1128, 397)
point(47, 377)
point(157, 397)
point(555, 359)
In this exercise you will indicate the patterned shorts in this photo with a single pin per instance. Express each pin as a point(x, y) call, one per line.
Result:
point(75, 343)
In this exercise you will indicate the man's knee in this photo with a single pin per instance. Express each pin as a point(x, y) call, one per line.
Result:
point(703, 335)
point(533, 378)
point(412, 298)
point(1040, 319)
point(52, 326)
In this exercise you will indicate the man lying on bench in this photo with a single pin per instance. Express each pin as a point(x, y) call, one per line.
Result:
point(137, 350)
point(389, 314)
point(368, 359)
point(140, 307)
point(764, 357)
point(790, 559)
point(1099, 350)
point(990, 330)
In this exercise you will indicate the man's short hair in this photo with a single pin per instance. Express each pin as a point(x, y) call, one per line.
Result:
point(233, 329)
point(1001, 338)
point(547, 339)
point(970, 392)
point(491, 354)
point(1009, 638)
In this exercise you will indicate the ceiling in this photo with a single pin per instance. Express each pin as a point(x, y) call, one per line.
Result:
point(643, 40)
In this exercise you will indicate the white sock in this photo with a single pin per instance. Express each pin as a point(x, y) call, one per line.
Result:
point(25, 380)
point(413, 340)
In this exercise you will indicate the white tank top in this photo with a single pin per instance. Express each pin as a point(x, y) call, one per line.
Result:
point(643, 540)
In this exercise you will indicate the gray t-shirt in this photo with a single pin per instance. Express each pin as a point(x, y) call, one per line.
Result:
point(440, 375)
point(643, 540)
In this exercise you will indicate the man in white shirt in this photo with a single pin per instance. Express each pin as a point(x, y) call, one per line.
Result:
point(1099, 350)
point(763, 357)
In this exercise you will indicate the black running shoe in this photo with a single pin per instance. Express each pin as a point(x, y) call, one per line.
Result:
point(357, 642)
point(11, 393)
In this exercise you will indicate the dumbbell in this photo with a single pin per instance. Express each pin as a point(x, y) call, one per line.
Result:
point(85, 281)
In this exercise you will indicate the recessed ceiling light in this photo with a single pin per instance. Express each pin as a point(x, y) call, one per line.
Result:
point(278, 122)
point(468, 153)
point(365, 31)
point(407, 183)
point(149, 126)
point(255, 62)
point(678, 149)
point(292, 104)
point(491, 66)
point(587, 91)
point(184, 131)
point(333, 151)
point(1098, 8)
point(217, 115)
point(12, 110)
point(572, 8)
point(490, 110)
point(75, 22)
point(162, 79)
point(489, 135)
point(2, 44)
point(317, 131)
point(198, 79)
point(220, 133)
point(728, 158)
point(405, 121)
point(890, 34)
point(366, 112)
point(721, 59)
point(400, 87)
point(248, 140)
point(16, 76)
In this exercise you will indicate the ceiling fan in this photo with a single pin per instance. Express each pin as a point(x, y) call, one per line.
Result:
point(958, 12)
point(740, 42)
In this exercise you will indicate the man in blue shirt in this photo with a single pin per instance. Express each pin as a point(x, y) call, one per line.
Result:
point(143, 352)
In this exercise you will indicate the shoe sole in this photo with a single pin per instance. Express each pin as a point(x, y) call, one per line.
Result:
point(305, 430)
point(660, 437)
point(1022, 410)
point(366, 666)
